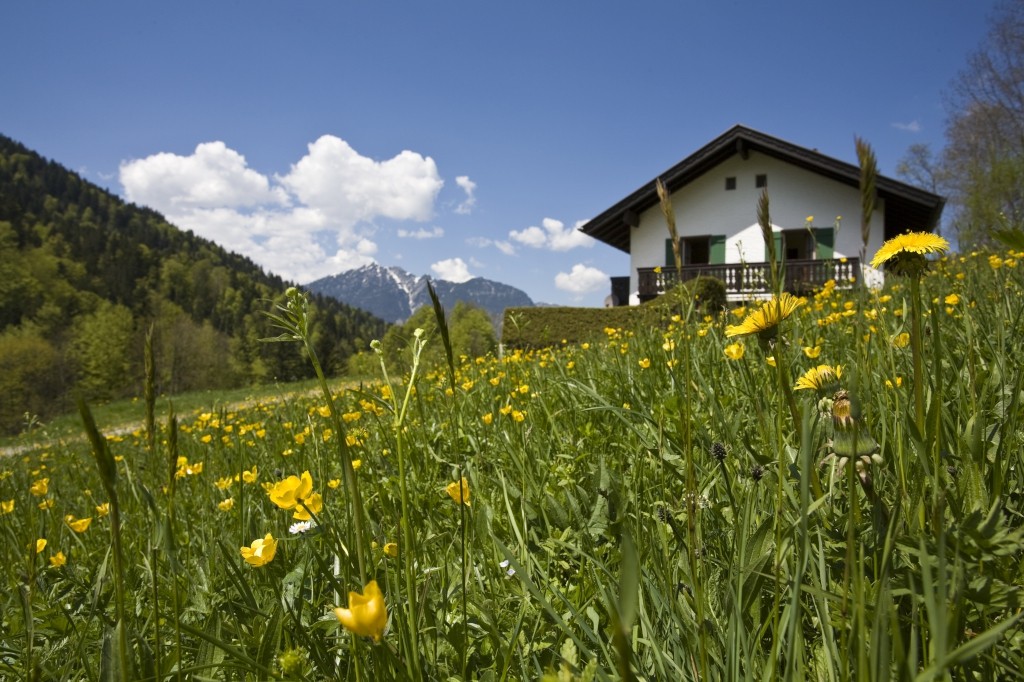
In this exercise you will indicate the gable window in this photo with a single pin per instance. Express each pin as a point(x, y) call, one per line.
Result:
point(730, 183)
point(760, 180)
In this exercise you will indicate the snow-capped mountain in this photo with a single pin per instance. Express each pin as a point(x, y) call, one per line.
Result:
point(393, 294)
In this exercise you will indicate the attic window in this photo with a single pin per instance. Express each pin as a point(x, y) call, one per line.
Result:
point(760, 180)
point(730, 183)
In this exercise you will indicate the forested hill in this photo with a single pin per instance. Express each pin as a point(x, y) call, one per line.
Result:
point(84, 275)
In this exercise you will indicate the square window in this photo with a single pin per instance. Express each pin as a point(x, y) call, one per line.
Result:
point(761, 180)
point(730, 183)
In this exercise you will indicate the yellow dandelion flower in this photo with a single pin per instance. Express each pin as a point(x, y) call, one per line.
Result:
point(820, 378)
point(367, 614)
point(915, 245)
point(765, 319)
point(459, 491)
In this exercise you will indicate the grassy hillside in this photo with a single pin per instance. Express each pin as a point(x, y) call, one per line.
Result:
point(835, 496)
point(84, 276)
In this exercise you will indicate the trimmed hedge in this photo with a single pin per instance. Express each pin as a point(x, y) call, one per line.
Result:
point(544, 327)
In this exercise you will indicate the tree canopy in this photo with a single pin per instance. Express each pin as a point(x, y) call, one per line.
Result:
point(84, 276)
point(981, 168)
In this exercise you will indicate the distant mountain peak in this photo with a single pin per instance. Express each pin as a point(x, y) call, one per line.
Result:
point(392, 294)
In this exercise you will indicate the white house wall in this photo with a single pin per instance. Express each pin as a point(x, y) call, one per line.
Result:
point(704, 207)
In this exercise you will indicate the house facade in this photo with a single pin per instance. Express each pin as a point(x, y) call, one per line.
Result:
point(815, 212)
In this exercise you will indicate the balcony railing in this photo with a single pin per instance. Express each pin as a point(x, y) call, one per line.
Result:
point(753, 279)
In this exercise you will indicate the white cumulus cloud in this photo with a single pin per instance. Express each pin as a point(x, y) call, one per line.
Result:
point(483, 242)
point(452, 270)
point(912, 127)
point(553, 235)
point(315, 220)
point(583, 279)
point(469, 187)
point(213, 176)
point(422, 233)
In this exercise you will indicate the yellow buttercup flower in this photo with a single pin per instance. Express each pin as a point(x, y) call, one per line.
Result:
point(734, 351)
point(58, 560)
point(952, 299)
point(812, 352)
point(40, 545)
point(260, 552)
point(906, 252)
point(77, 525)
point(901, 340)
point(103, 509)
point(391, 549)
point(645, 363)
point(40, 487)
point(459, 491)
point(367, 614)
point(287, 493)
point(309, 506)
point(7, 506)
point(226, 505)
point(251, 475)
point(765, 319)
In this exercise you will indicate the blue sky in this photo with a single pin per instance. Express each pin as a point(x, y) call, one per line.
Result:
point(452, 138)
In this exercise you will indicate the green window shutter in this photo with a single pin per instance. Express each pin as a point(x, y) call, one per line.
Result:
point(779, 254)
point(670, 256)
point(716, 249)
point(824, 240)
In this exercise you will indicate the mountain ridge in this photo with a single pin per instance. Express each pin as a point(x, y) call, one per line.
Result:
point(393, 294)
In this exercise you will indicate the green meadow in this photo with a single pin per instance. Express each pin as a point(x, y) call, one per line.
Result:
point(826, 489)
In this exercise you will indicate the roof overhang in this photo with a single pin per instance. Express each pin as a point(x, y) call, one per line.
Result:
point(907, 208)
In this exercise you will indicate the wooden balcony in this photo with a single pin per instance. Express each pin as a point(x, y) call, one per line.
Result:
point(743, 280)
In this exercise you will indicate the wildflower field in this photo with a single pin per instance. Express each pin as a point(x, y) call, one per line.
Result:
point(825, 488)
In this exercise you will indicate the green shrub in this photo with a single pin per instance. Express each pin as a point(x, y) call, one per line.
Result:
point(544, 327)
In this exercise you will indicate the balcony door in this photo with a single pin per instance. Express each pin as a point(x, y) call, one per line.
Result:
point(697, 250)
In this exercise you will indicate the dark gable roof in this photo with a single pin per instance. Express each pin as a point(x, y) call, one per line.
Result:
point(907, 208)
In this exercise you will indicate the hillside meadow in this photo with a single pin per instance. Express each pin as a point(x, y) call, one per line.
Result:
point(826, 488)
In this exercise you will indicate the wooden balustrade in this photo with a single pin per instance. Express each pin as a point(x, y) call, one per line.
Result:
point(799, 276)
